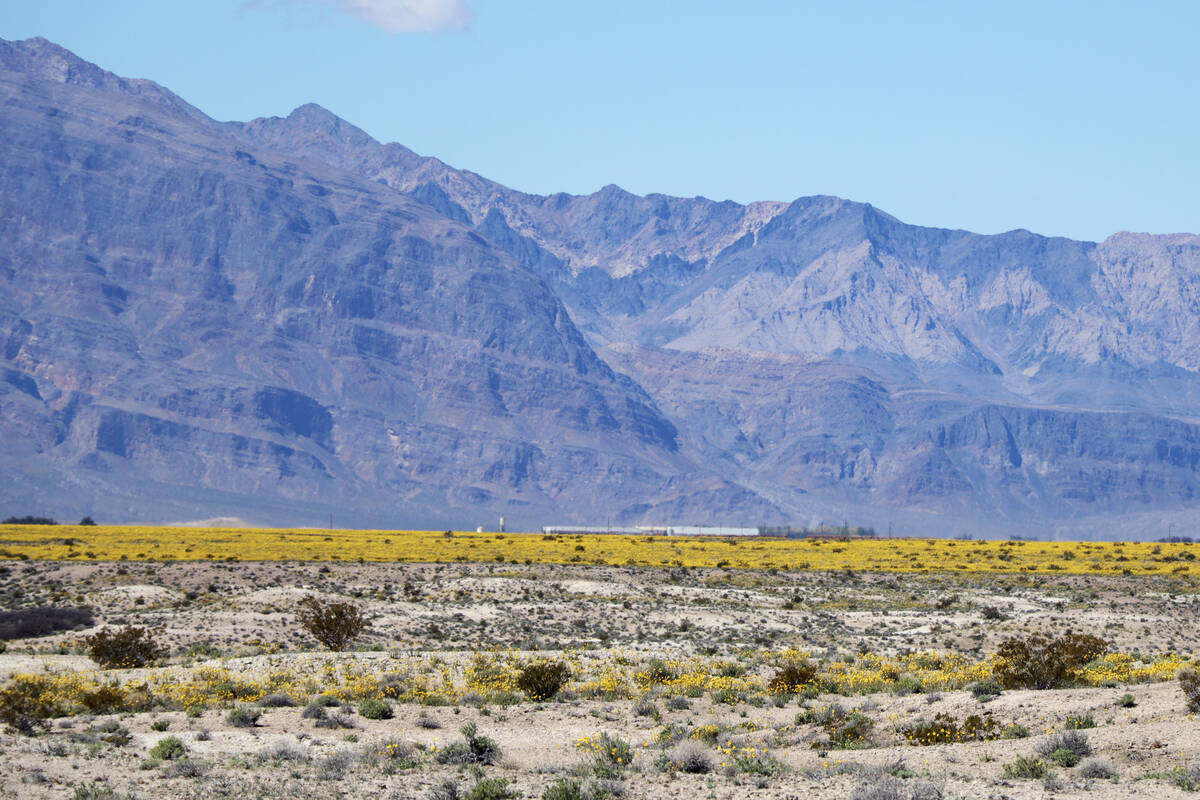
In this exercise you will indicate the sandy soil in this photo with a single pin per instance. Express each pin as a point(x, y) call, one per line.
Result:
point(228, 613)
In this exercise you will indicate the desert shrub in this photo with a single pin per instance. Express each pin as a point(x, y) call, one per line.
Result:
point(397, 754)
point(159, 725)
point(277, 701)
point(1186, 778)
point(446, 790)
point(474, 749)
point(26, 623)
point(1073, 741)
point(1097, 769)
point(541, 680)
point(1014, 730)
point(844, 730)
point(243, 717)
point(1039, 662)
point(1025, 767)
point(985, 690)
point(728, 696)
point(486, 788)
point(887, 787)
point(103, 699)
point(333, 766)
point(1079, 722)
point(113, 733)
point(908, 684)
point(186, 768)
point(945, 729)
point(24, 706)
point(688, 756)
point(127, 647)
point(372, 708)
point(657, 671)
point(334, 625)
point(323, 719)
point(751, 761)
point(1126, 701)
point(793, 677)
point(571, 789)
point(608, 755)
point(93, 791)
point(1063, 757)
point(168, 748)
point(645, 707)
point(1189, 682)
point(677, 702)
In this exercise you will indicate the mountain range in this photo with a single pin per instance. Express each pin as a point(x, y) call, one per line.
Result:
point(282, 320)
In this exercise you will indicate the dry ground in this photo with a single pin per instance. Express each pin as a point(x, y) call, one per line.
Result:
point(233, 612)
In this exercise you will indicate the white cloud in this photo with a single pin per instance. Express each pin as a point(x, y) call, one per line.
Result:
point(410, 16)
point(395, 16)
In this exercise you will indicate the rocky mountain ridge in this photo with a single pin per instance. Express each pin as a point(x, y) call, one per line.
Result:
point(284, 318)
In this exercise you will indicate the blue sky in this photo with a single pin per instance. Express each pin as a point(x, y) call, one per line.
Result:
point(1066, 118)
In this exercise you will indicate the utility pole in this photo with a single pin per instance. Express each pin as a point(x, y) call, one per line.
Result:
point(330, 520)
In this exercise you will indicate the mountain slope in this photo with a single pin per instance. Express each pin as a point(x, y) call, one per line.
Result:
point(195, 326)
point(283, 318)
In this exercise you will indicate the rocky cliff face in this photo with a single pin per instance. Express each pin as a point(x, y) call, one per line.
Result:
point(283, 318)
point(193, 325)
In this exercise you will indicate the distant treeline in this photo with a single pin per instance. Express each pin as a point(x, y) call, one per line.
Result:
point(30, 520)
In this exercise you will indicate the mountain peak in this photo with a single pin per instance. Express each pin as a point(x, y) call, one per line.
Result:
point(44, 60)
point(318, 119)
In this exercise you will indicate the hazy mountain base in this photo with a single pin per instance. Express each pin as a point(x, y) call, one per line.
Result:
point(283, 319)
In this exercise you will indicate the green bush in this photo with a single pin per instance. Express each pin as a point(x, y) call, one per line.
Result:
point(371, 708)
point(243, 717)
point(1079, 722)
point(1063, 757)
point(1126, 701)
point(541, 680)
point(1039, 662)
point(1071, 740)
point(986, 690)
point(1025, 767)
point(843, 730)
point(334, 625)
point(491, 789)
point(474, 749)
point(168, 748)
point(126, 648)
point(610, 756)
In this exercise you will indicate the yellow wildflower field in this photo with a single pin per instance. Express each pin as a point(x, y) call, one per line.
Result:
point(111, 543)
